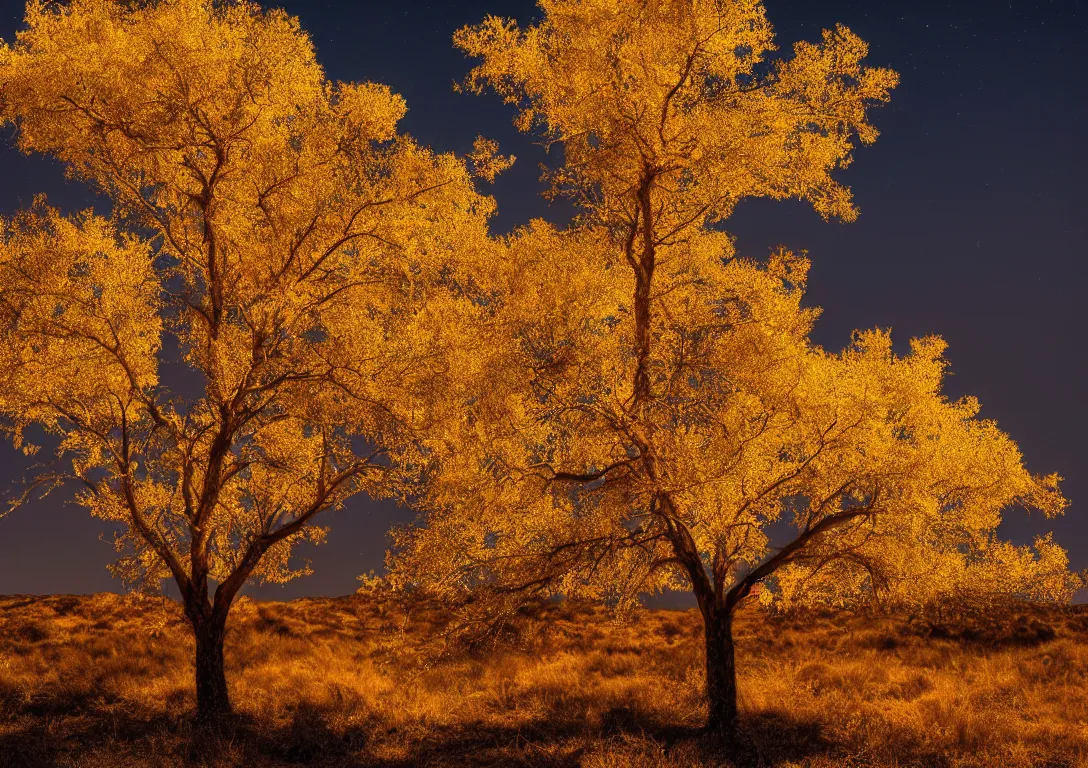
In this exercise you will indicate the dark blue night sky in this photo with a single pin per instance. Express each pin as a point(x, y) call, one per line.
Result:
point(973, 226)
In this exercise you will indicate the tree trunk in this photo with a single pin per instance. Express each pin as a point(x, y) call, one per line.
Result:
point(721, 676)
point(212, 697)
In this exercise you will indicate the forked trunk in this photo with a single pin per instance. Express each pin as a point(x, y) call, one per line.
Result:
point(721, 676)
point(212, 697)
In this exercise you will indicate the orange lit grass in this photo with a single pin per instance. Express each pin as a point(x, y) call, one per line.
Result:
point(106, 681)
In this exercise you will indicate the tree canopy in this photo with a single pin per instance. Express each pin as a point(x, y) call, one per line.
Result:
point(880, 486)
point(246, 341)
point(654, 414)
point(684, 92)
point(291, 302)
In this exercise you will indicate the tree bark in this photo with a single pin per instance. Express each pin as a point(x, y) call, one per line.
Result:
point(721, 675)
point(644, 276)
point(212, 696)
point(716, 609)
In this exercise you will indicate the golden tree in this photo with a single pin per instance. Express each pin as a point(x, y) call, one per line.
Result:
point(273, 236)
point(880, 489)
point(647, 406)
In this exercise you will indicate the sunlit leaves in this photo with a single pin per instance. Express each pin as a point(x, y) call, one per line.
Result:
point(298, 252)
point(616, 408)
point(648, 410)
point(688, 92)
point(79, 309)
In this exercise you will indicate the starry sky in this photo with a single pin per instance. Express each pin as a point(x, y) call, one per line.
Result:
point(972, 226)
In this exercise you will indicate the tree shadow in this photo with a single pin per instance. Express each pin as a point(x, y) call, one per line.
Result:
point(126, 738)
point(43, 739)
point(308, 739)
point(768, 740)
point(549, 741)
point(776, 738)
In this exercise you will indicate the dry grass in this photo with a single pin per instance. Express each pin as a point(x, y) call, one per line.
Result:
point(105, 681)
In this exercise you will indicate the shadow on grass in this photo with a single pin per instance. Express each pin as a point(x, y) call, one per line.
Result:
point(124, 739)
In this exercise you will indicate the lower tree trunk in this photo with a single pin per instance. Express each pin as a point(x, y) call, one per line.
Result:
point(212, 697)
point(721, 676)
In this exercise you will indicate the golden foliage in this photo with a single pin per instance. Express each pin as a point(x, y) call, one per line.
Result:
point(651, 407)
point(686, 90)
point(80, 306)
point(618, 408)
point(274, 229)
point(893, 491)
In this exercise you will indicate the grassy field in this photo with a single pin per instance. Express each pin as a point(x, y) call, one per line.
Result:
point(105, 681)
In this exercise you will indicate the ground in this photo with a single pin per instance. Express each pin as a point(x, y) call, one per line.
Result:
point(105, 680)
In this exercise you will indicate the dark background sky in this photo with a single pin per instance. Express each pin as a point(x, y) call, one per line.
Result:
point(973, 226)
